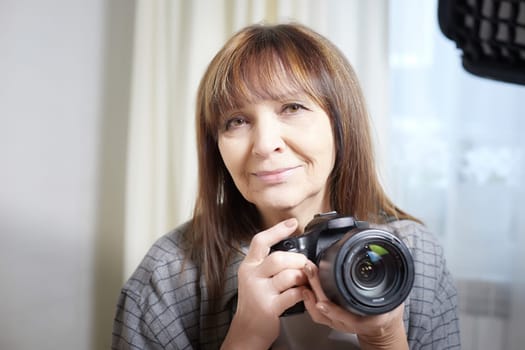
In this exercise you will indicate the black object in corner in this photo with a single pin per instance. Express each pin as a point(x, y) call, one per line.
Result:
point(490, 34)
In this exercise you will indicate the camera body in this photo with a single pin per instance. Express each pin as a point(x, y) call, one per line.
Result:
point(366, 270)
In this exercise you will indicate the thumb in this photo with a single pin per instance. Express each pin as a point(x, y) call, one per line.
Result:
point(262, 241)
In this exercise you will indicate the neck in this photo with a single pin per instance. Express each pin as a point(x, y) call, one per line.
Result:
point(272, 217)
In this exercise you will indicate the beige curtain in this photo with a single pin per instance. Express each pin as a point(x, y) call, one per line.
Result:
point(174, 41)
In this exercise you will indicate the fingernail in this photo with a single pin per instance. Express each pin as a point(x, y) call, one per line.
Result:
point(290, 222)
point(308, 270)
point(322, 308)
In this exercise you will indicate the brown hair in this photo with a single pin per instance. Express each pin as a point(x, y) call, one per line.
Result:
point(263, 61)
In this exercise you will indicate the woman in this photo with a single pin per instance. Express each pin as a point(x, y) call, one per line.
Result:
point(282, 134)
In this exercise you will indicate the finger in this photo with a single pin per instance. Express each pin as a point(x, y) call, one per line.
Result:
point(310, 305)
point(337, 314)
point(322, 310)
point(262, 241)
point(312, 273)
point(280, 260)
point(287, 279)
point(333, 316)
point(288, 298)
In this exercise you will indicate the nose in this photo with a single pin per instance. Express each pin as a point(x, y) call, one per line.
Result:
point(267, 136)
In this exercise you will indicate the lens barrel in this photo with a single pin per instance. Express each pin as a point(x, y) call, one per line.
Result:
point(367, 271)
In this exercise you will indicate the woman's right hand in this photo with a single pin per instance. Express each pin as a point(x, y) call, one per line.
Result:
point(268, 284)
point(385, 331)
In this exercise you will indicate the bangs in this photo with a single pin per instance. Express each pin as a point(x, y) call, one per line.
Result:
point(268, 68)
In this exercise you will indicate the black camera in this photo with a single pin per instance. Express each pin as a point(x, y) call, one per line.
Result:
point(366, 270)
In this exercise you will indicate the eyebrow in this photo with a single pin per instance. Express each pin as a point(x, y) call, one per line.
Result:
point(302, 96)
point(289, 96)
point(294, 95)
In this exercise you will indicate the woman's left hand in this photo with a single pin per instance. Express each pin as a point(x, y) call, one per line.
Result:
point(385, 331)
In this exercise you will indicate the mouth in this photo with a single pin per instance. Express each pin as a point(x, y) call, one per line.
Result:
point(276, 175)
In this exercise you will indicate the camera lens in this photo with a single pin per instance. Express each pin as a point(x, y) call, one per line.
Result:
point(372, 270)
point(368, 273)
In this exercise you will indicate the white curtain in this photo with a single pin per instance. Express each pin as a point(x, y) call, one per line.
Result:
point(458, 140)
point(174, 41)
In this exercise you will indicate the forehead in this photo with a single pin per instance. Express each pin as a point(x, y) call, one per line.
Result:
point(265, 76)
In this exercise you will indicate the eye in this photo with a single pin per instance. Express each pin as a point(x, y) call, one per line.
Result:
point(235, 123)
point(293, 107)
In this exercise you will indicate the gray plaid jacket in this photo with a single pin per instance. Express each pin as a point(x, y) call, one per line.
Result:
point(165, 304)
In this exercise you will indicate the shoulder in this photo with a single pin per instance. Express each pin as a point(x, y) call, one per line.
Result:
point(166, 262)
point(162, 291)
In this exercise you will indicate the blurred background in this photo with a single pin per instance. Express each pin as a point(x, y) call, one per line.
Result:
point(97, 150)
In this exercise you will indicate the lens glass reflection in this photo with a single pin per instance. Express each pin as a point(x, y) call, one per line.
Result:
point(371, 270)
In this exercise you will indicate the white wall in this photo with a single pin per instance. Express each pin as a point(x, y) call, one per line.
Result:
point(64, 76)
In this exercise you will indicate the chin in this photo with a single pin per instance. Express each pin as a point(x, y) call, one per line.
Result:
point(276, 205)
point(281, 202)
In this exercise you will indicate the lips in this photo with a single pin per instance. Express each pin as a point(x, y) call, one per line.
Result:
point(275, 176)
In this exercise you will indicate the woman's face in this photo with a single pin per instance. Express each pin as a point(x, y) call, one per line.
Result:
point(280, 153)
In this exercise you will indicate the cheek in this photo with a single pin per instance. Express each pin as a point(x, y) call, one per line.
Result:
point(327, 160)
point(322, 146)
point(225, 153)
point(231, 154)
